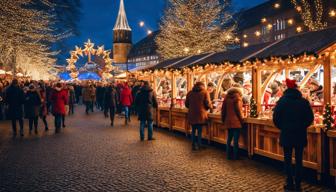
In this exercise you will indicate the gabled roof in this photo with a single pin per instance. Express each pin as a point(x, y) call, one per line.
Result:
point(166, 63)
point(234, 55)
point(310, 43)
point(122, 23)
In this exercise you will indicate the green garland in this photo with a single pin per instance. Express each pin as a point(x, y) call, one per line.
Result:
point(253, 108)
point(328, 120)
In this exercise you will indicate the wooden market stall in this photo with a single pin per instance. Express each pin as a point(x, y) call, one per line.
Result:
point(308, 57)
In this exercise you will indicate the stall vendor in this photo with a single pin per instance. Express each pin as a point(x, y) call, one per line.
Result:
point(211, 90)
point(276, 91)
point(247, 93)
point(316, 90)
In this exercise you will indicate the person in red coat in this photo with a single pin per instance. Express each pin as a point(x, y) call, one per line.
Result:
point(59, 99)
point(126, 101)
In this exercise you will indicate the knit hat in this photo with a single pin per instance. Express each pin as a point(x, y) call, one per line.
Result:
point(291, 84)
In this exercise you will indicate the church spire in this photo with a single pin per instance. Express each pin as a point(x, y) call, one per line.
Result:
point(122, 23)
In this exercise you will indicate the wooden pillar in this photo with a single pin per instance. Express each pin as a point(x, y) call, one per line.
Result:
point(256, 87)
point(286, 73)
point(189, 81)
point(174, 91)
point(327, 68)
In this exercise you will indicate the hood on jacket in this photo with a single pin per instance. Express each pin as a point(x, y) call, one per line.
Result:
point(293, 93)
point(198, 87)
point(234, 92)
point(146, 88)
point(58, 89)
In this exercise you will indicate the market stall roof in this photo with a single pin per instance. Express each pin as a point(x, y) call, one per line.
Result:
point(234, 55)
point(166, 63)
point(191, 60)
point(310, 43)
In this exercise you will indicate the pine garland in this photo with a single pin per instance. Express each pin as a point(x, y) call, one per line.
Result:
point(253, 108)
point(328, 120)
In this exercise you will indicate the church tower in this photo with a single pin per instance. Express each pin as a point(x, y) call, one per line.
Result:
point(122, 36)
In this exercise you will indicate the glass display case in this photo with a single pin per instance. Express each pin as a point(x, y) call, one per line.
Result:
point(163, 91)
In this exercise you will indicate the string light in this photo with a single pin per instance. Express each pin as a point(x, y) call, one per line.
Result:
point(312, 16)
point(290, 21)
point(257, 33)
point(299, 29)
point(263, 20)
point(245, 36)
point(269, 26)
point(141, 24)
point(332, 13)
point(245, 44)
point(277, 5)
point(149, 32)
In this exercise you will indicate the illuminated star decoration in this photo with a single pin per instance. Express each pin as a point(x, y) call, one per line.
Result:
point(89, 50)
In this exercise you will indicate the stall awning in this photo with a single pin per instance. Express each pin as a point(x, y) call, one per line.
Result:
point(166, 63)
point(310, 43)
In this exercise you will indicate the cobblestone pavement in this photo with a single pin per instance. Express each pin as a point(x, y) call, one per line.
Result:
point(89, 155)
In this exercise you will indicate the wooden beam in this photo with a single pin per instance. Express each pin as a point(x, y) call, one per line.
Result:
point(256, 86)
point(311, 72)
point(327, 67)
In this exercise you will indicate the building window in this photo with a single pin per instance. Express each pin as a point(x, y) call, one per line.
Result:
point(279, 37)
point(280, 24)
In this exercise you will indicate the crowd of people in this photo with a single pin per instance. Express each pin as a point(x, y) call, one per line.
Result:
point(34, 100)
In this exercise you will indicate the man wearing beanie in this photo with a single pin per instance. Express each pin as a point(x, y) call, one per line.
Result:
point(293, 115)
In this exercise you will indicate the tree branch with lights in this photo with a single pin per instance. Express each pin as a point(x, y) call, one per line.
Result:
point(311, 13)
point(191, 27)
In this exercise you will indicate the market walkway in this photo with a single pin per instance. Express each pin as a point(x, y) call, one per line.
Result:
point(91, 156)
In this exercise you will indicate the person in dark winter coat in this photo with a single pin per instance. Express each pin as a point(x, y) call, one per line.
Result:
point(72, 100)
point(32, 107)
point(2, 102)
point(59, 99)
point(111, 102)
point(293, 115)
point(14, 98)
point(145, 101)
point(198, 102)
point(232, 119)
point(44, 108)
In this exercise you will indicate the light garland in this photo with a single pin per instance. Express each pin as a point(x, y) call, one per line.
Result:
point(187, 27)
point(312, 17)
point(88, 51)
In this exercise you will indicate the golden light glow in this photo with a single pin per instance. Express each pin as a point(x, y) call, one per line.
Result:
point(245, 44)
point(199, 51)
point(257, 33)
point(245, 36)
point(332, 13)
point(237, 39)
point(263, 20)
point(290, 21)
point(269, 26)
point(298, 8)
point(186, 49)
point(299, 29)
point(228, 36)
point(277, 5)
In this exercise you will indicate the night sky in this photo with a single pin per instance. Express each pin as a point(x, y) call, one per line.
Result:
point(98, 18)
